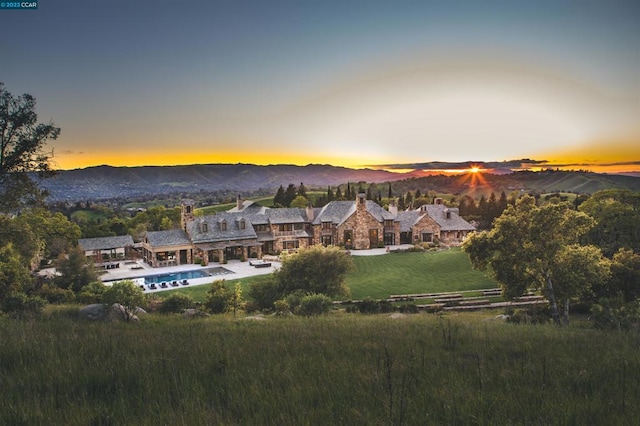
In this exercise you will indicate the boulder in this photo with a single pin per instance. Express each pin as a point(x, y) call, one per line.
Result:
point(194, 313)
point(94, 312)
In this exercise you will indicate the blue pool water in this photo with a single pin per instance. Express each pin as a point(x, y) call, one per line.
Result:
point(187, 275)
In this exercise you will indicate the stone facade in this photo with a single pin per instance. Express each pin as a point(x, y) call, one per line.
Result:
point(250, 230)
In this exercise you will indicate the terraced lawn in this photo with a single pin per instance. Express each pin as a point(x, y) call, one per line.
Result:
point(379, 277)
point(405, 273)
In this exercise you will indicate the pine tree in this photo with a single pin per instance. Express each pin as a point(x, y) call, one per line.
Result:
point(338, 194)
point(418, 195)
point(289, 195)
point(408, 200)
point(348, 194)
point(390, 195)
point(369, 196)
point(302, 191)
point(330, 196)
point(279, 200)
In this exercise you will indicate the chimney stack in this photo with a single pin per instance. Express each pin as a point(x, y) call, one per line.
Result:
point(310, 212)
point(239, 203)
point(393, 207)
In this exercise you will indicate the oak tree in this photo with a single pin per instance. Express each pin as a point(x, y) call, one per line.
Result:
point(537, 247)
point(23, 153)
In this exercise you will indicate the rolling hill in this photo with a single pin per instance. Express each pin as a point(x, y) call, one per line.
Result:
point(106, 182)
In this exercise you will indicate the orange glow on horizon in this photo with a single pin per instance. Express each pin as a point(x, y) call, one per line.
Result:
point(67, 161)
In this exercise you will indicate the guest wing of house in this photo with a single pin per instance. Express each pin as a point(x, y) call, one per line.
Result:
point(250, 230)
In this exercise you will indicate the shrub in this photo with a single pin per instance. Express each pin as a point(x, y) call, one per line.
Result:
point(281, 306)
point(409, 308)
point(55, 294)
point(264, 293)
point(294, 300)
point(218, 297)
point(127, 294)
point(533, 315)
point(614, 313)
point(91, 293)
point(315, 304)
point(19, 304)
point(175, 303)
point(370, 306)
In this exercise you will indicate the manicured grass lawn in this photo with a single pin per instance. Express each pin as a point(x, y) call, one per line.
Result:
point(379, 277)
point(408, 273)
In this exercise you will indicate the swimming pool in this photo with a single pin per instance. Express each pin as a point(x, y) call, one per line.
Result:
point(186, 275)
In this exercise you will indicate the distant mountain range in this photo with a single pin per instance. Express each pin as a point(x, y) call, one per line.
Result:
point(107, 182)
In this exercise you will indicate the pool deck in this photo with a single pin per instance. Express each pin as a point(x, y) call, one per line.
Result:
point(136, 271)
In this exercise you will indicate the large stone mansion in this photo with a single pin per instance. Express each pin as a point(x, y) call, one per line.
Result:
point(251, 230)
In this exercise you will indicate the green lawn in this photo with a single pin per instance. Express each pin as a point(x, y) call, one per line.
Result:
point(408, 273)
point(398, 273)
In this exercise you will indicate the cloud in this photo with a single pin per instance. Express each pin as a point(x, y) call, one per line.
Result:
point(464, 165)
point(513, 165)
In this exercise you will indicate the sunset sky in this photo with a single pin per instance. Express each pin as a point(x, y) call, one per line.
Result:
point(354, 82)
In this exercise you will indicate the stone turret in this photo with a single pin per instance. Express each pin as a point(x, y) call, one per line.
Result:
point(186, 213)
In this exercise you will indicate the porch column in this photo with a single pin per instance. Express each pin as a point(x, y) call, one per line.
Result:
point(245, 253)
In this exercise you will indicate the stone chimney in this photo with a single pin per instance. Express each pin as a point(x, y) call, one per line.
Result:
point(310, 212)
point(239, 203)
point(437, 201)
point(393, 207)
point(361, 201)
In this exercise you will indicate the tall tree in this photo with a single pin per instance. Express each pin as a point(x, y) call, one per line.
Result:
point(390, 193)
point(54, 229)
point(22, 150)
point(617, 215)
point(75, 270)
point(278, 200)
point(537, 247)
point(289, 195)
point(330, 196)
point(339, 194)
point(302, 190)
point(408, 200)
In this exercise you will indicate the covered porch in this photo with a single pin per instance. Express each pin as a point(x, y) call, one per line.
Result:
point(222, 252)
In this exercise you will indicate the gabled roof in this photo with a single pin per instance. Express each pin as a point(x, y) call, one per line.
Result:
point(213, 232)
point(438, 212)
point(378, 212)
point(335, 212)
point(105, 243)
point(286, 215)
point(171, 237)
point(408, 219)
point(249, 206)
point(339, 211)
